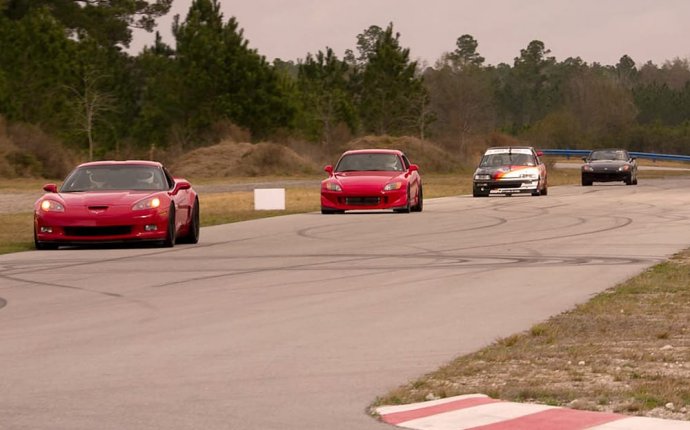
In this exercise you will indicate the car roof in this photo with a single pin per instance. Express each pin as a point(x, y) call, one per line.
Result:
point(121, 163)
point(609, 149)
point(510, 147)
point(373, 151)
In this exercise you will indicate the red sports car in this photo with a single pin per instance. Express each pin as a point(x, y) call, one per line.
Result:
point(115, 202)
point(372, 179)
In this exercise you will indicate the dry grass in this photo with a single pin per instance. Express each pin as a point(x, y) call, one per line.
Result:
point(16, 232)
point(627, 351)
point(221, 208)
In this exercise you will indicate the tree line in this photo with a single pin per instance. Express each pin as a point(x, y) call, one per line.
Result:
point(65, 69)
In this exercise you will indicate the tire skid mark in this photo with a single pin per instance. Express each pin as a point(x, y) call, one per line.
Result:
point(308, 232)
point(18, 268)
point(451, 262)
point(54, 285)
point(3, 303)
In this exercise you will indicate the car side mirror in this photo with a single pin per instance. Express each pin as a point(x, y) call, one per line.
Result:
point(633, 158)
point(328, 169)
point(51, 188)
point(584, 159)
point(540, 154)
point(414, 168)
point(181, 184)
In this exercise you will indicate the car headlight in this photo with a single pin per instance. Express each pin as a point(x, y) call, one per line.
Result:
point(52, 206)
point(150, 203)
point(587, 168)
point(482, 177)
point(392, 186)
point(624, 168)
point(332, 186)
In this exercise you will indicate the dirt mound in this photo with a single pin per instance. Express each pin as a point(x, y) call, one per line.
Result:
point(429, 156)
point(242, 159)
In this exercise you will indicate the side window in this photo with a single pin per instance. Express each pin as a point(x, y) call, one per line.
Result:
point(406, 162)
point(168, 178)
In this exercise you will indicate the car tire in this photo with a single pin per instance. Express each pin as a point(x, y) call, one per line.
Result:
point(42, 246)
point(170, 238)
point(193, 234)
point(477, 193)
point(420, 201)
point(635, 181)
point(628, 180)
point(586, 182)
point(407, 209)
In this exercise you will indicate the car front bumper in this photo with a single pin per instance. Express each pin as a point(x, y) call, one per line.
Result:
point(605, 176)
point(511, 186)
point(340, 201)
point(56, 228)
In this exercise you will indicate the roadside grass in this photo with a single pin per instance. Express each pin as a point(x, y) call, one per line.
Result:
point(16, 232)
point(627, 350)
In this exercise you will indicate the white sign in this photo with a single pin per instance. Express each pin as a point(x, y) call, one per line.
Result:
point(266, 199)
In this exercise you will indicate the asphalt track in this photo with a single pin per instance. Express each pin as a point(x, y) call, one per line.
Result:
point(299, 322)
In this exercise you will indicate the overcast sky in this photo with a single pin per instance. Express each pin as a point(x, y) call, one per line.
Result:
point(595, 30)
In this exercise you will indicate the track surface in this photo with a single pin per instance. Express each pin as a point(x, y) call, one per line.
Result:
point(299, 322)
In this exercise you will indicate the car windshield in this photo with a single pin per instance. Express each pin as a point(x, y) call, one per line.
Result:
point(369, 162)
point(507, 159)
point(608, 155)
point(115, 177)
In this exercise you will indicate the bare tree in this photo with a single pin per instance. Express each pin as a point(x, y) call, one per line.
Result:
point(90, 103)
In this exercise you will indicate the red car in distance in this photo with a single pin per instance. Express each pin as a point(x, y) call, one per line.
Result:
point(117, 202)
point(368, 179)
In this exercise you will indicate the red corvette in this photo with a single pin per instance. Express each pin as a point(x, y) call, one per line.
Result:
point(116, 202)
point(372, 179)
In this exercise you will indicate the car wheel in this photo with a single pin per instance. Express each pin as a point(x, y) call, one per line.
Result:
point(477, 193)
point(193, 234)
point(327, 211)
point(586, 182)
point(420, 201)
point(635, 181)
point(628, 180)
point(169, 241)
point(407, 209)
point(42, 246)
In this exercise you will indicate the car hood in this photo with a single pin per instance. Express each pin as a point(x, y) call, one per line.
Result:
point(507, 172)
point(367, 178)
point(607, 163)
point(105, 198)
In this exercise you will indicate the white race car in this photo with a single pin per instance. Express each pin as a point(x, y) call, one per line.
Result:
point(510, 170)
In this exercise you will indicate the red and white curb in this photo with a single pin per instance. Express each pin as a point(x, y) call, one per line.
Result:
point(480, 412)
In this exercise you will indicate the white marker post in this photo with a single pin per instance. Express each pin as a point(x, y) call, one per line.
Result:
point(266, 199)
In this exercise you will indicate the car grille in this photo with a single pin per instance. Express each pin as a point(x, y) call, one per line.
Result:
point(505, 184)
point(362, 201)
point(119, 230)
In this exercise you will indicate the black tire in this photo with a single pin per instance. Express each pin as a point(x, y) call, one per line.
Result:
point(477, 193)
point(628, 180)
point(420, 201)
point(327, 211)
point(407, 209)
point(170, 238)
point(541, 192)
point(42, 246)
point(635, 181)
point(193, 234)
point(586, 182)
